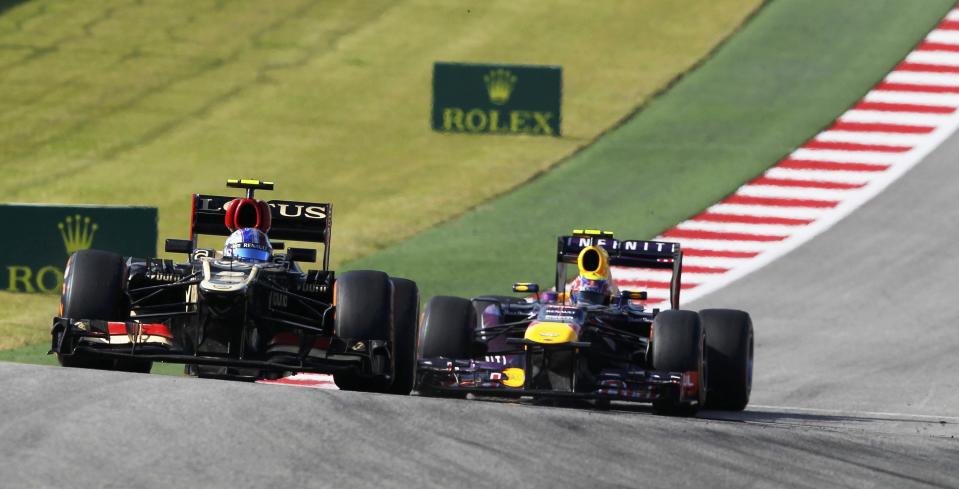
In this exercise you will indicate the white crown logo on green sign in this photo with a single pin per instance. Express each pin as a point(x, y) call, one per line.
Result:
point(77, 233)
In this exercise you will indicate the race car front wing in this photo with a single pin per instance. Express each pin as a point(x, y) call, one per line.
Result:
point(478, 377)
point(155, 342)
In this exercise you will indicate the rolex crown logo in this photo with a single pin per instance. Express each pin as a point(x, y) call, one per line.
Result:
point(499, 84)
point(77, 233)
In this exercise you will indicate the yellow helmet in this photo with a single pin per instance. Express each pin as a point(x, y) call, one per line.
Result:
point(593, 263)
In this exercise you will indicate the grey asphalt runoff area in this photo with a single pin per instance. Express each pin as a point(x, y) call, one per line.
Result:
point(856, 385)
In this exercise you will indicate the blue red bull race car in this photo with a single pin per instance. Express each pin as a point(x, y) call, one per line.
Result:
point(610, 348)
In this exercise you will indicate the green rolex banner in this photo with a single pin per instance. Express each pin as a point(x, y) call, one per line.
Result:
point(41, 237)
point(497, 99)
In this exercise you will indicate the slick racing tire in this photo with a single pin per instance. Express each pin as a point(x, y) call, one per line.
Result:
point(446, 331)
point(406, 313)
point(678, 344)
point(364, 300)
point(447, 328)
point(729, 353)
point(93, 289)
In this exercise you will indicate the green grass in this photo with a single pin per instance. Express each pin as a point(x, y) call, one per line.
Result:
point(37, 354)
point(122, 102)
point(782, 78)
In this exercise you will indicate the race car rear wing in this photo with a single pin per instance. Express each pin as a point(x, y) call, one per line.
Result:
point(626, 253)
point(291, 220)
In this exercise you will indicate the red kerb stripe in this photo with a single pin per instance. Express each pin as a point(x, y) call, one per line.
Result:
point(695, 269)
point(937, 46)
point(785, 182)
point(830, 166)
point(926, 67)
point(842, 146)
point(780, 202)
point(651, 284)
point(783, 221)
point(701, 253)
point(303, 382)
point(880, 127)
point(949, 25)
point(699, 234)
point(887, 107)
point(915, 87)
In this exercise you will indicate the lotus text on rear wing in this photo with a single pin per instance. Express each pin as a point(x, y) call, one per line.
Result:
point(286, 210)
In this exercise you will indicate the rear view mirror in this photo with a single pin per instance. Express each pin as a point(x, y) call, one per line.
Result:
point(178, 246)
point(526, 287)
point(307, 255)
point(633, 296)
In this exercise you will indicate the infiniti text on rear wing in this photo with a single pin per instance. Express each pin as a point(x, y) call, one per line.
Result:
point(625, 253)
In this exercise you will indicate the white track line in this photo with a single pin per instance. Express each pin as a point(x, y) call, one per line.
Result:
point(863, 414)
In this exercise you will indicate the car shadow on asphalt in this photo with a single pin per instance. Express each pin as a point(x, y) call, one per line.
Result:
point(895, 423)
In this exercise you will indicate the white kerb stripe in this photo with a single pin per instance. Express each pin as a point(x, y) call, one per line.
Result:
point(886, 117)
point(659, 275)
point(923, 78)
point(820, 175)
point(917, 98)
point(838, 156)
point(769, 211)
point(943, 36)
point(953, 15)
point(872, 138)
point(793, 192)
point(945, 58)
point(712, 261)
point(719, 244)
point(739, 227)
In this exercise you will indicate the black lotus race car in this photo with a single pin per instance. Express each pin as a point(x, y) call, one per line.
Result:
point(548, 347)
point(228, 318)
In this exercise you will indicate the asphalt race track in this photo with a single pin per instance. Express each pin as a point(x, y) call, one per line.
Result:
point(857, 385)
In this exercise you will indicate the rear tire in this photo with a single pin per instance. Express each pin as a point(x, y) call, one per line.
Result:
point(678, 347)
point(729, 349)
point(93, 289)
point(364, 300)
point(406, 313)
point(446, 331)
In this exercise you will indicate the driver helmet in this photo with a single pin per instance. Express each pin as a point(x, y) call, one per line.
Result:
point(594, 283)
point(249, 245)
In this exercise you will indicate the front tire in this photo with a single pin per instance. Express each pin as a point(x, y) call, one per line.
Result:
point(406, 313)
point(729, 349)
point(678, 347)
point(94, 284)
point(446, 331)
point(364, 300)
